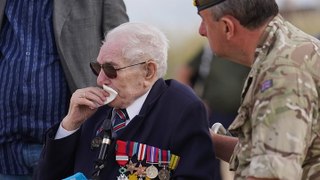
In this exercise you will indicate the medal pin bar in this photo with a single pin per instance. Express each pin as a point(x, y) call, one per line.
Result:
point(152, 158)
point(122, 159)
point(141, 170)
point(132, 149)
point(164, 159)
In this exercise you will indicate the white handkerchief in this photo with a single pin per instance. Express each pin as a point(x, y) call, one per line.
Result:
point(112, 92)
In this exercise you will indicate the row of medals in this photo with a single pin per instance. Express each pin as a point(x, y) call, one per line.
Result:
point(141, 172)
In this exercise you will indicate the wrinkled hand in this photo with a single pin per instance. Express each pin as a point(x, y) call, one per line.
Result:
point(83, 103)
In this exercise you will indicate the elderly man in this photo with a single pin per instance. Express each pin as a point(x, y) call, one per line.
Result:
point(278, 122)
point(164, 134)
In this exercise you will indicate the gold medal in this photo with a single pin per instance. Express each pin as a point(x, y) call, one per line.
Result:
point(152, 172)
point(133, 177)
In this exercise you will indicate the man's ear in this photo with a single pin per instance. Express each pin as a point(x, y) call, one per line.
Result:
point(229, 26)
point(150, 70)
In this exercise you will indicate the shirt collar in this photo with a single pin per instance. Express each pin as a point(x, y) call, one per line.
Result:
point(136, 106)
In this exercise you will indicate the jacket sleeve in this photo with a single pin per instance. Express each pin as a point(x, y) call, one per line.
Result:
point(57, 157)
point(114, 14)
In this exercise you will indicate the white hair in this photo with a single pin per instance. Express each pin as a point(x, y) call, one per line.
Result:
point(141, 42)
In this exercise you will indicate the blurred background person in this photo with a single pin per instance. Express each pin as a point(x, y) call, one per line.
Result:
point(218, 82)
point(45, 50)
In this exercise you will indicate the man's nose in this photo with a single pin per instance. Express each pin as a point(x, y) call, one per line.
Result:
point(202, 29)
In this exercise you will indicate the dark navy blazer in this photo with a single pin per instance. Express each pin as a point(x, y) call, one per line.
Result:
point(172, 118)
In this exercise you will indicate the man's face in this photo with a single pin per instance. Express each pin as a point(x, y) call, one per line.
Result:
point(129, 82)
point(213, 30)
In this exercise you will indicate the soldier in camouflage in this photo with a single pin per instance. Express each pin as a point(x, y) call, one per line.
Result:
point(278, 125)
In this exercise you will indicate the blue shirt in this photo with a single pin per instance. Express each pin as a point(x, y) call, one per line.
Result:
point(33, 91)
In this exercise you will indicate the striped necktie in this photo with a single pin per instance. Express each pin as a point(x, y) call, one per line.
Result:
point(119, 120)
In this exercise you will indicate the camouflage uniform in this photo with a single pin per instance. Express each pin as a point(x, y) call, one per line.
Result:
point(278, 124)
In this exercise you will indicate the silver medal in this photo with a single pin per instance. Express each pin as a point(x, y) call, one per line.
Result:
point(122, 177)
point(152, 172)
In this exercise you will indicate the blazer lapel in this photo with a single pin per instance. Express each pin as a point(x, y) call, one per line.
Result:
point(157, 90)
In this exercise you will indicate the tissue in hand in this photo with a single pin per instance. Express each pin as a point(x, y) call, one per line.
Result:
point(112, 93)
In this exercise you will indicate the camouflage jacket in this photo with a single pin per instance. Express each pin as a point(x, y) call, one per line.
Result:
point(278, 124)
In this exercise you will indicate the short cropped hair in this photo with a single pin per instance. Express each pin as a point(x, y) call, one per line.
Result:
point(250, 13)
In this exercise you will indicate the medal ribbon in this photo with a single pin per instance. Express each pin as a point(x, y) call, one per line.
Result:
point(132, 148)
point(121, 156)
point(152, 155)
point(129, 149)
point(141, 152)
point(135, 148)
point(164, 157)
point(174, 162)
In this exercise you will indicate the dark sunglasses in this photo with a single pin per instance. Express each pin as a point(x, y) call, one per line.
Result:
point(108, 69)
